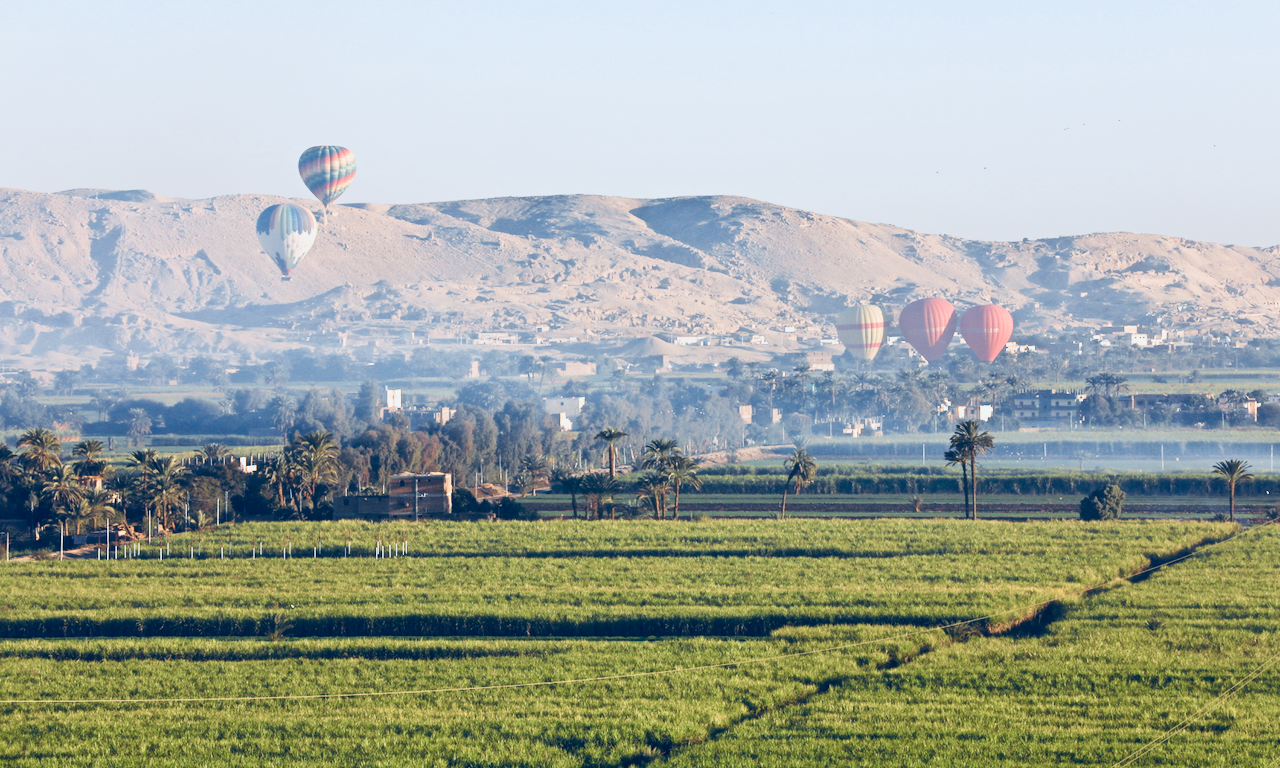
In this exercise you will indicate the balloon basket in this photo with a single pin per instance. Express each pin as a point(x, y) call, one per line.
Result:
point(285, 279)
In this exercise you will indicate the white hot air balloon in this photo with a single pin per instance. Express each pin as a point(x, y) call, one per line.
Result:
point(286, 231)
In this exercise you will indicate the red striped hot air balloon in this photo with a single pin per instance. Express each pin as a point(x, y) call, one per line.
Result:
point(861, 330)
point(986, 329)
point(928, 325)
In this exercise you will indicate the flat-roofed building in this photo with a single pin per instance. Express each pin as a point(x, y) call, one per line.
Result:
point(1048, 405)
point(409, 496)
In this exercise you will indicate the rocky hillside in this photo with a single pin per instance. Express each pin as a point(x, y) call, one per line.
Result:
point(90, 272)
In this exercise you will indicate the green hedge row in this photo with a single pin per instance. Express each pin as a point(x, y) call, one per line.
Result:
point(1039, 483)
point(760, 625)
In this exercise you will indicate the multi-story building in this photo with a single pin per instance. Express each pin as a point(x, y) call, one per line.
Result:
point(1048, 405)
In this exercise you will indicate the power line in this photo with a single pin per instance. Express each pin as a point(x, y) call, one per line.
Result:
point(1233, 690)
point(634, 675)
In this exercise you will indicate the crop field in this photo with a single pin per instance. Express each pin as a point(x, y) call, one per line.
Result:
point(1121, 671)
point(702, 579)
point(798, 642)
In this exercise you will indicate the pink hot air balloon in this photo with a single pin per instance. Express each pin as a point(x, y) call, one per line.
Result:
point(986, 329)
point(928, 325)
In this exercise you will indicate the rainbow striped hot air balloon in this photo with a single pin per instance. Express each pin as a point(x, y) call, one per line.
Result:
point(287, 232)
point(327, 171)
point(861, 330)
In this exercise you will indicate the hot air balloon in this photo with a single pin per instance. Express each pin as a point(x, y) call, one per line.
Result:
point(287, 232)
point(327, 172)
point(986, 329)
point(928, 325)
point(861, 330)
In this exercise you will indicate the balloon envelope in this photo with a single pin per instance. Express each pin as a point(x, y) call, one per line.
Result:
point(986, 329)
point(928, 325)
point(327, 171)
point(861, 330)
point(286, 231)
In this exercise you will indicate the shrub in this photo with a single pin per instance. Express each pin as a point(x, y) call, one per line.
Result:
point(509, 509)
point(1105, 503)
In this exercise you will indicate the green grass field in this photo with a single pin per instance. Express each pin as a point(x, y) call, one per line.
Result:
point(901, 690)
point(1121, 671)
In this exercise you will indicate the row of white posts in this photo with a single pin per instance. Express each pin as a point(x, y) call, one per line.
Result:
point(133, 550)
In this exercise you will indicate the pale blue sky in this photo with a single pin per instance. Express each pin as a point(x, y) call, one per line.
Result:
point(992, 120)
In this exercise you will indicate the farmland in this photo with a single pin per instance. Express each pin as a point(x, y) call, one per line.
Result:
point(703, 579)
point(1114, 675)
point(570, 602)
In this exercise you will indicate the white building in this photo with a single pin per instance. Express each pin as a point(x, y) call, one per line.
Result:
point(569, 406)
point(564, 408)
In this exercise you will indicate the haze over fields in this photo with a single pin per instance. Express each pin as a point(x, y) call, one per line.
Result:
point(92, 272)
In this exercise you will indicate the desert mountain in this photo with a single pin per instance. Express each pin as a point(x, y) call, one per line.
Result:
point(90, 272)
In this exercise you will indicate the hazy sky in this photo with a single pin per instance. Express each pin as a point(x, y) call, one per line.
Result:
point(992, 120)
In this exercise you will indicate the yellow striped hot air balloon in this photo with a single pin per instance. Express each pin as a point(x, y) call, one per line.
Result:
point(861, 330)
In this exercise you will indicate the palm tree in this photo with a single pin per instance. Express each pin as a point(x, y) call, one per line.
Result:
point(143, 462)
point(650, 492)
point(770, 378)
point(599, 490)
point(611, 436)
point(536, 466)
point(215, 453)
point(80, 514)
point(316, 457)
point(8, 466)
point(683, 471)
point(63, 491)
point(42, 450)
point(168, 491)
point(801, 469)
point(118, 487)
point(139, 426)
point(525, 481)
point(94, 505)
point(285, 414)
point(1235, 471)
point(89, 465)
point(831, 388)
point(279, 472)
point(564, 482)
point(1107, 384)
point(658, 455)
point(968, 442)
